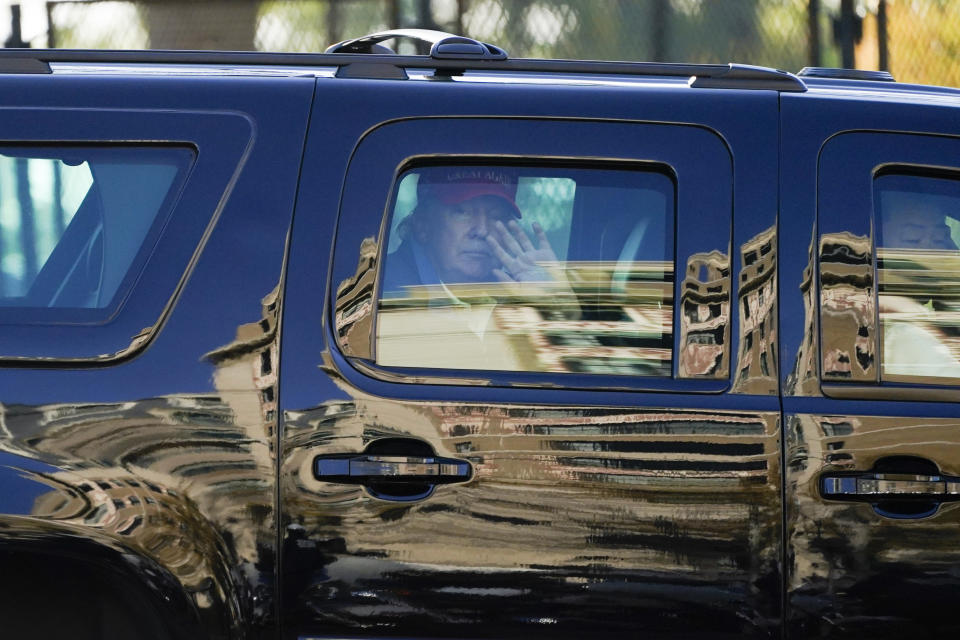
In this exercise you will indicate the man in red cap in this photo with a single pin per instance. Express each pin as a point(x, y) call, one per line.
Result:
point(464, 229)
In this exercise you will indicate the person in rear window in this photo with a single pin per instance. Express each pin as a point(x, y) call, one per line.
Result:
point(916, 341)
point(911, 225)
point(465, 229)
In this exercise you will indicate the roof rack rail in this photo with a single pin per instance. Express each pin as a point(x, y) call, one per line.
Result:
point(23, 64)
point(846, 74)
point(367, 65)
point(443, 45)
point(745, 76)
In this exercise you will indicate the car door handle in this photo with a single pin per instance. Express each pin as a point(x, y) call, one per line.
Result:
point(871, 486)
point(383, 469)
point(902, 486)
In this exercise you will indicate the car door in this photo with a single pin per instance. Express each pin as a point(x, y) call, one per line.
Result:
point(142, 255)
point(870, 403)
point(596, 451)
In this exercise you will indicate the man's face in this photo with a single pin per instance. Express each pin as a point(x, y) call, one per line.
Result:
point(457, 238)
point(917, 229)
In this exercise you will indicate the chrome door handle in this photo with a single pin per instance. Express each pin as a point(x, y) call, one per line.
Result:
point(872, 487)
point(896, 487)
point(396, 469)
point(379, 469)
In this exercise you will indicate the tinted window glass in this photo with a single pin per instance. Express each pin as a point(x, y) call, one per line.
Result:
point(918, 222)
point(541, 269)
point(77, 223)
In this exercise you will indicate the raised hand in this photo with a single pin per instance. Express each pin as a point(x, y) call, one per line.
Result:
point(520, 260)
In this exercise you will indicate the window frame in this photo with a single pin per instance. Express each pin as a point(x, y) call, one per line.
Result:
point(694, 155)
point(220, 142)
point(848, 166)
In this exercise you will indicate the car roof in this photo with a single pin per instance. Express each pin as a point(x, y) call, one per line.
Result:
point(381, 66)
point(822, 82)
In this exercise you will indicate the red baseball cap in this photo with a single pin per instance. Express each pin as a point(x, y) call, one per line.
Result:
point(453, 185)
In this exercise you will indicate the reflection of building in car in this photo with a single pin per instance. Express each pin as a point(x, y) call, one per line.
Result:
point(918, 267)
point(757, 359)
point(526, 326)
point(803, 378)
point(355, 298)
point(639, 458)
point(846, 303)
point(176, 475)
point(706, 315)
point(919, 312)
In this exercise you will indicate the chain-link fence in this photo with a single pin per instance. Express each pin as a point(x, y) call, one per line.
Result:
point(918, 40)
point(925, 41)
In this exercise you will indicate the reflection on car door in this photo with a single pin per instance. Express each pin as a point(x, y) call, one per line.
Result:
point(534, 503)
point(871, 453)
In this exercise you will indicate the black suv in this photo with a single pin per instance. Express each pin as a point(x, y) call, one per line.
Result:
point(366, 345)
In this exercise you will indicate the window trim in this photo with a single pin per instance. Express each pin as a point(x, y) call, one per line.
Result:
point(223, 141)
point(355, 340)
point(868, 155)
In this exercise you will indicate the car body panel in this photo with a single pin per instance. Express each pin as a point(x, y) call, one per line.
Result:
point(164, 460)
point(584, 503)
point(853, 570)
point(165, 463)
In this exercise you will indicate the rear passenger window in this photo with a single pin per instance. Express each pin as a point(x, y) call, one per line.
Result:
point(918, 251)
point(77, 223)
point(529, 268)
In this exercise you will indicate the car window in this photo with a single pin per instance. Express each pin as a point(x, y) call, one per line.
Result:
point(525, 268)
point(76, 223)
point(918, 250)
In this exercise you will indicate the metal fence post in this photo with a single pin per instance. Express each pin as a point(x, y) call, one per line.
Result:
point(393, 12)
point(883, 53)
point(424, 21)
point(846, 33)
point(461, 9)
point(51, 34)
point(659, 24)
point(15, 39)
point(813, 34)
point(333, 21)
